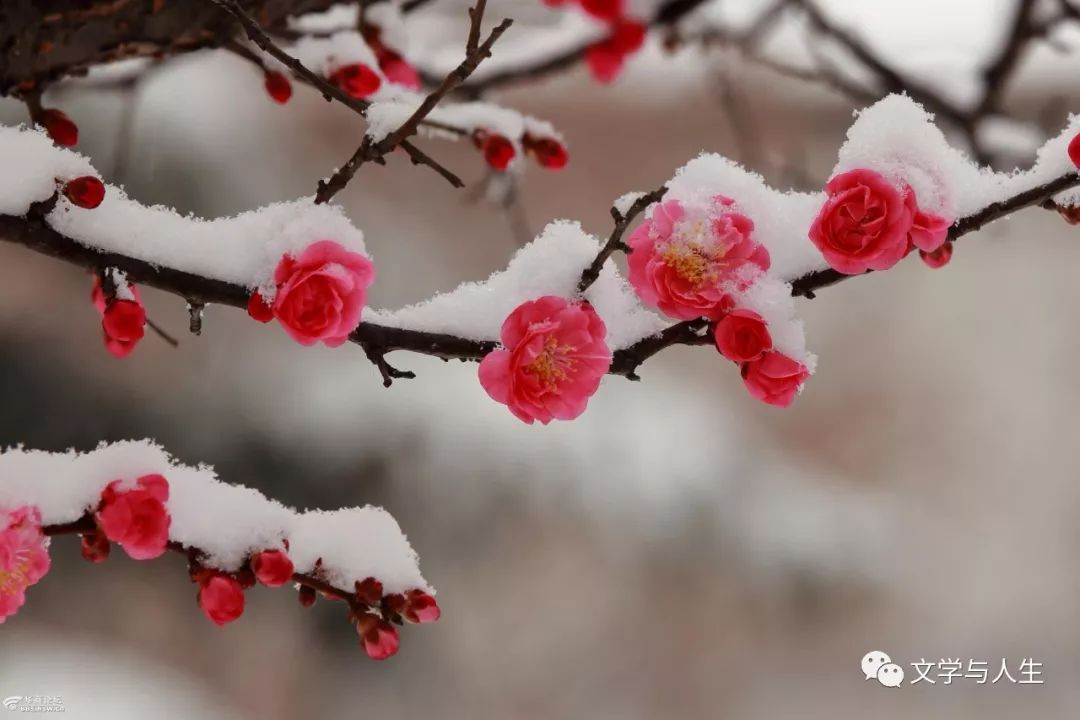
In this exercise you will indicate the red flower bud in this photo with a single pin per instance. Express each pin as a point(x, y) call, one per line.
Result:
point(307, 596)
point(259, 309)
point(422, 608)
point(380, 638)
point(278, 87)
point(59, 126)
point(938, 258)
point(369, 591)
point(356, 80)
point(1074, 150)
point(498, 150)
point(86, 192)
point(603, 9)
point(221, 599)
point(742, 336)
point(1071, 213)
point(94, 546)
point(273, 568)
point(550, 153)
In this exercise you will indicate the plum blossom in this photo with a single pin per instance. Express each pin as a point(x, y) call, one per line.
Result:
point(24, 558)
point(868, 223)
point(135, 518)
point(379, 638)
point(551, 362)
point(221, 598)
point(687, 261)
point(320, 294)
point(774, 378)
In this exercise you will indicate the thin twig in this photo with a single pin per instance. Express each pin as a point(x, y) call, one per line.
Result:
point(369, 150)
point(615, 241)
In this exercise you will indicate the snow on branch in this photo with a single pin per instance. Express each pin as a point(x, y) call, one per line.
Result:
point(134, 495)
point(719, 251)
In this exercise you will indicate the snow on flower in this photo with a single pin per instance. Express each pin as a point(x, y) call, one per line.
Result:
point(24, 558)
point(551, 362)
point(687, 260)
point(319, 295)
point(123, 317)
point(135, 518)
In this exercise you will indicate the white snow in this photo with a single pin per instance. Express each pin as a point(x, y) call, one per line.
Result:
point(227, 522)
point(243, 249)
point(549, 265)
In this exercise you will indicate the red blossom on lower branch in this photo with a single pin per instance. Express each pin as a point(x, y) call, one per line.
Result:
point(549, 152)
point(498, 150)
point(742, 336)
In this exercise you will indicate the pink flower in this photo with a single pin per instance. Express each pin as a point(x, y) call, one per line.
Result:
point(938, 258)
point(321, 293)
point(687, 262)
point(774, 378)
point(1074, 150)
point(123, 321)
point(421, 607)
point(221, 598)
point(552, 360)
point(273, 568)
point(24, 559)
point(136, 519)
point(865, 223)
point(742, 336)
point(380, 638)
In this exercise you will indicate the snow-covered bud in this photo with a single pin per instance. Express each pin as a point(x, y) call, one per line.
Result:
point(85, 192)
point(273, 568)
point(369, 591)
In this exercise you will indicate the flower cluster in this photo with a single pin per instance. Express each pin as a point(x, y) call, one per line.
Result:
point(123, 317)
point(694, 262)
point(552, 359)
point(868, 223)
point(134, 515)
point(319, 294)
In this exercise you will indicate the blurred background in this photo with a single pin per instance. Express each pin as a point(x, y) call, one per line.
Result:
point(680, 551)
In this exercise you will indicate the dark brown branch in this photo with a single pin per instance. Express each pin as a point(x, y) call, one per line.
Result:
point(807, 285)
point(331, 92)
point(379, 340)
point(86, 525)
point(666, 15)
point(475, 53)
point(615, 241)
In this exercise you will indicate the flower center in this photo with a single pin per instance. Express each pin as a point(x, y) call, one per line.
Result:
point(15, 577)
point(552, 365)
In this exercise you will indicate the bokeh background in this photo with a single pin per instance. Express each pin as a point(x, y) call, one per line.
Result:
point(680, 551)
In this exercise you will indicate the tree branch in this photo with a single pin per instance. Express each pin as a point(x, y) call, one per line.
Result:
point(615, 242)
point(475, 52)
point(807, 285)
